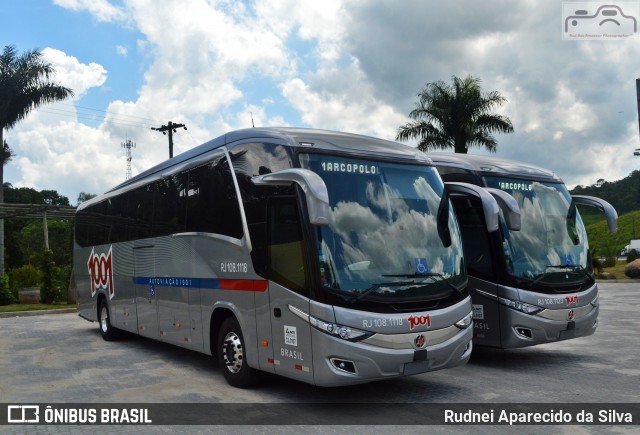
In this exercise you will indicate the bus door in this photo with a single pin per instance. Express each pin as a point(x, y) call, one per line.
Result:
point(288, 290)
point(479, 224)
point(480, 262)
point(145, 288)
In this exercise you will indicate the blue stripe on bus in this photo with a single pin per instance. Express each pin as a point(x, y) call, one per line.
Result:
point(212, 283)
point(256, 285)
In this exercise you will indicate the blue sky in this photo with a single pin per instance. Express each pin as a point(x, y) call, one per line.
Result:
point(343, 65)
point(82, 36)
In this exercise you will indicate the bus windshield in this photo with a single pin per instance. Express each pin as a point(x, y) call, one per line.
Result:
point(551, 248)
point(384, 241)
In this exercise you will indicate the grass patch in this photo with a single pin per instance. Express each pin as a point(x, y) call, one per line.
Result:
point(617, 270)
point(33, 307)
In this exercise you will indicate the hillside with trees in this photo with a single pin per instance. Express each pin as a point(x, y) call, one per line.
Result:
point(605, 244)
point(623, 195)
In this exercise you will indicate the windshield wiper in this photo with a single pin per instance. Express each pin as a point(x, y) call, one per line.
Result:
point(383, 284)
point(571, 267)
point(441, 277)
point(413, 275)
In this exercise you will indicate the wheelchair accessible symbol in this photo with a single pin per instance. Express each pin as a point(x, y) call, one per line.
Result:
point(421, 266)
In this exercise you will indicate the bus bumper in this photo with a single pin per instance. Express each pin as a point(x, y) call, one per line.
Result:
point(338, 362)
point(522, 330)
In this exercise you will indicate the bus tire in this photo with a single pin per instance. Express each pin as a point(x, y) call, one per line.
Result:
point(109, 333)
point(231, 355)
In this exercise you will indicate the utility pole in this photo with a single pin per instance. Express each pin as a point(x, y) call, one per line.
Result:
point(171, 128)
point(127, 146)
point(638, 99)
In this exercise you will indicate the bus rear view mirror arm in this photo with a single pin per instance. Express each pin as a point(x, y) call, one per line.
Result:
point(609, 212)
point(312, 185)
point(489, 204)
point(509, 207)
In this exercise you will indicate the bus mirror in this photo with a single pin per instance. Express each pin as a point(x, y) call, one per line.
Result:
point(489, 204)
point(609, 212)
point(509, 207)
point(312, 185)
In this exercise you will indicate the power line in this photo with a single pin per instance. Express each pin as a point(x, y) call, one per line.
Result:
point(108, 117)
point(80, 116)
point(151, 120)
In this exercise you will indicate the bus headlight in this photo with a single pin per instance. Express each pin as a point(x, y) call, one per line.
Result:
point(520, 306)
point(465, 322)
point(345, 332)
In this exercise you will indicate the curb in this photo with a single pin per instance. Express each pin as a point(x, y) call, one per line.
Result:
point(37, 312)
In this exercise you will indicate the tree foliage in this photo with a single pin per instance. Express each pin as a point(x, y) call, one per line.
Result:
point(25, 237)
point(84, 196)
point(607, 244)
point(623, 195)
point(25, 84)
point(7, 154)
point(457, 116)
point(6, 296)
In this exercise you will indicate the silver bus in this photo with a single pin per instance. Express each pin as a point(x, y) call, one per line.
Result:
point(326, 257)
point(532, 282)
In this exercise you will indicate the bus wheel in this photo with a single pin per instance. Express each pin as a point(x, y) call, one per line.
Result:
point(232, 356)
point(108, 332)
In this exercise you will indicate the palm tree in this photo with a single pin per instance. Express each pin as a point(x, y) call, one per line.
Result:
point(455, 116)
point(24, 85)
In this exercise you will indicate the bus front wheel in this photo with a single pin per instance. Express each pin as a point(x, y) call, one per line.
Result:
point(232, 355)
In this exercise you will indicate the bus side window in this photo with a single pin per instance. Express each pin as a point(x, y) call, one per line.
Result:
point(140, 211)
point(169, 208)
point(211, 202)
point(285, 250)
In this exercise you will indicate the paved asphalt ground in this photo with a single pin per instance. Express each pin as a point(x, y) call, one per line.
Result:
point(61, 358)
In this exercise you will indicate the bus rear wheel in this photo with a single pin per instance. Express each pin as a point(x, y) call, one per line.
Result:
point(109, 333)
point(232, 355)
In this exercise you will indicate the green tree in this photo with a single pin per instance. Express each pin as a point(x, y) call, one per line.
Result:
point(50, 291)
point(7, 154)
point(84, 196)
point(32, 241)
point(24, 85)
point(24, 237)
point(456, 116)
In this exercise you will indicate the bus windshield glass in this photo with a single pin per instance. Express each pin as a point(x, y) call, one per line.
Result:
point(386, 238)
point(551, 248)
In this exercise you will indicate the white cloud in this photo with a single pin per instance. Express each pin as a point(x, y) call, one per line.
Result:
point(74, 75)
point(347, 111)
point(100, 9)
point(65, 156)
point(347, 65)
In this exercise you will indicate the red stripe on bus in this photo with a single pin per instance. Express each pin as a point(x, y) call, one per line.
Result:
point(249, 285)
